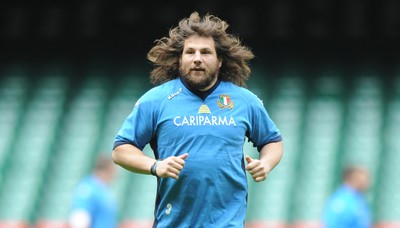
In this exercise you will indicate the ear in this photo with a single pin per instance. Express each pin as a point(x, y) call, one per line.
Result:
point(219, 63)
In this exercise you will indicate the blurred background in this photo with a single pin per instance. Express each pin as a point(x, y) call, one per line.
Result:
point(70, 72)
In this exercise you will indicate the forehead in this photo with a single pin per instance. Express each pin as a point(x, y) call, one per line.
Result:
point(361, 173)
point(199, 42)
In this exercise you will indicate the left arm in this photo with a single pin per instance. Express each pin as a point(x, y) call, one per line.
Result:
point(270, 156)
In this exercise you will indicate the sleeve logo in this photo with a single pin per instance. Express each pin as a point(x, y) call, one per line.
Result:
point(137, 103)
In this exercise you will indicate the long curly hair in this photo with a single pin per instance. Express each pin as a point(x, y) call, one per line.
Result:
point(167, 50)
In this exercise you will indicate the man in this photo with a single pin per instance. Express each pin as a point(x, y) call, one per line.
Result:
point(93, 205)
point(347, 207)
point(196, 122)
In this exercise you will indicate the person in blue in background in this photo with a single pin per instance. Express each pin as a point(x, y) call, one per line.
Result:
point(93, 205)
point(348, 207)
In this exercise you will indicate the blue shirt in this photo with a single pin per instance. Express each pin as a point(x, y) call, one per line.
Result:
point(347, 208)
point(212, 187)
point(94, 196)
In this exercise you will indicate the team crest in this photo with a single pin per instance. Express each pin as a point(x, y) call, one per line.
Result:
point(204, 109)
point(225, 101)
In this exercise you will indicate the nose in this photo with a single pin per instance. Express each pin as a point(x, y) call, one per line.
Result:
point(197, 57)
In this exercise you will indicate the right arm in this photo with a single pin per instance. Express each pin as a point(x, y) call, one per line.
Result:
point(134, 160)
point(135, 133)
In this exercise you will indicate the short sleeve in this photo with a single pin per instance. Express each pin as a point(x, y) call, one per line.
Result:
point(83, 198)
point(262, 129)
point(138, 127)
point(337, 214)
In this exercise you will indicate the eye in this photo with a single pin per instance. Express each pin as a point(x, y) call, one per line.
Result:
point(189, 51)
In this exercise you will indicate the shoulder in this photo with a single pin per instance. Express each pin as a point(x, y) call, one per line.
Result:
point(247, 95)
point(342, 199)
point(85, 188)
point(160, 93)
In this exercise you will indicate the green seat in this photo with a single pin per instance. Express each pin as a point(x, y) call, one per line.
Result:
point(140, 196)
point(271, 200)
point(77, 146)
point(388, 184)
point(319, 148)
point(13, 93)
point(25, 170)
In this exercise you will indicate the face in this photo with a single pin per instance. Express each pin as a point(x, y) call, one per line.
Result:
point(363, 180)
point(110, 173)
point(199, 64)
point(359, 179)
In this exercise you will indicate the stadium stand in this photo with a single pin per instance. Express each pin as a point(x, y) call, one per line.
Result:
point(52, 126)
point(76, 145)
point(13, 94)
point(270, 201)
point(320, 147)
point(388, 183)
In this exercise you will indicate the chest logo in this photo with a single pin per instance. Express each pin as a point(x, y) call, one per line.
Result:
point(225, 101)
point(204, 109)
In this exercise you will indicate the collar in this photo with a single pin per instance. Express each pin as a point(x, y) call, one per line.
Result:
point(202, 94)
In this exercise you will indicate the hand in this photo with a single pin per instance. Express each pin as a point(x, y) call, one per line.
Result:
point(257, 169)
point(171, 166)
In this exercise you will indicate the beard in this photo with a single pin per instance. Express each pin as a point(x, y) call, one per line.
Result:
point(198, 79)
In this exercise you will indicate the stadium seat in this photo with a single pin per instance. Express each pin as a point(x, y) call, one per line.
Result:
point(270, 201)
point(319, 149)
point(26, 166)
point(364, 123)
point(13, 93)
point(51, 129)
point(140, 197)
point(76, 147)
point(387, 192)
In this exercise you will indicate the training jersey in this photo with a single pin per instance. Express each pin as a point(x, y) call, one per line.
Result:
point(212, 187)
point(93, 196)
point(347, 208)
